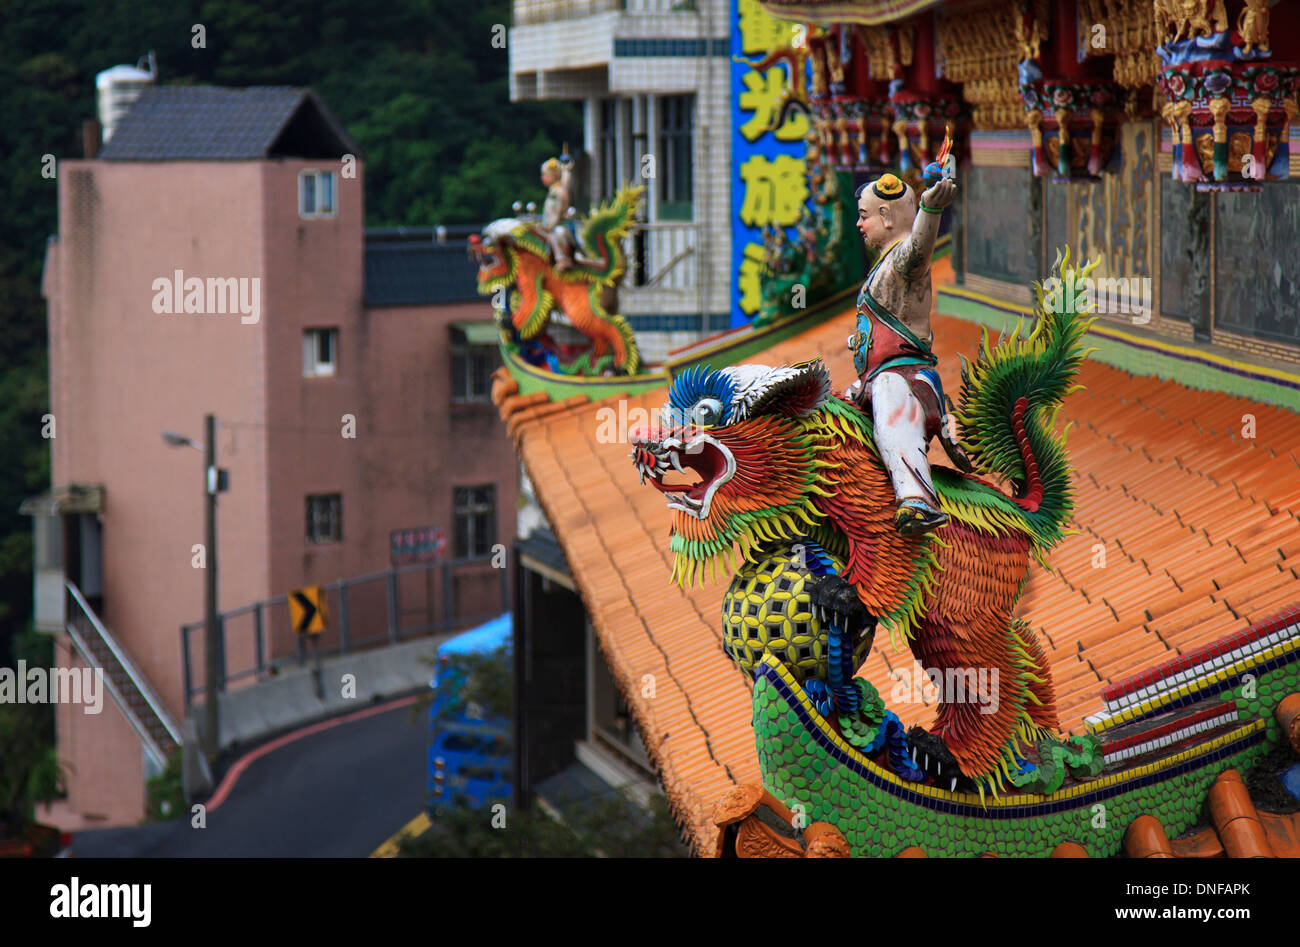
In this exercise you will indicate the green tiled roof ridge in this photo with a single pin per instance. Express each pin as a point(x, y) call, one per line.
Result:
point(800, 770)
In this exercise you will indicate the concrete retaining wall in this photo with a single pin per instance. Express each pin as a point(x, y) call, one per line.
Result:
point(299, 696)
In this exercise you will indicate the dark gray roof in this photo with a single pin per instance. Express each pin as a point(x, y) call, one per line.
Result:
point(542, 546)
point(210, 123)
point(408, 273)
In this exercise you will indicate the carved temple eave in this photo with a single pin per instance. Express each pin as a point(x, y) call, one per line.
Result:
point(1229, 121)
point(1073, 124)
point(888, 77)
point(861, 12)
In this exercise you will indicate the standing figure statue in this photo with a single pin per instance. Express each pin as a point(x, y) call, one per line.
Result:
point(557, 174)
point(1252, 24)
point(898, 383)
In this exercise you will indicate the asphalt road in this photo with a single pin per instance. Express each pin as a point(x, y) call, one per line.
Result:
point(338, 793)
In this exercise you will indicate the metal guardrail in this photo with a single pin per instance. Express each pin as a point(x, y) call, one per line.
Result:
point(351, 603)
point(84, 628)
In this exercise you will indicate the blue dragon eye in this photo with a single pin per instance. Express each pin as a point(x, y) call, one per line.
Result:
point(708, 412)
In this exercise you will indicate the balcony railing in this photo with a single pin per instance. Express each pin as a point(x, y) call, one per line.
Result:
point(664, 255)
point(527, 12)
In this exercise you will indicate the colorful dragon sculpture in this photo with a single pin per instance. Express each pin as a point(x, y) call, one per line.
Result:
point(782, 463)
point(515, 267)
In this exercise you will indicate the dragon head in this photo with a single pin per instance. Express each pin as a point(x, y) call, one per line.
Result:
point(494, 253)
point(736, 455)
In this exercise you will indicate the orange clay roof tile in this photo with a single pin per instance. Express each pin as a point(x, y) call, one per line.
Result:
point(1193, 518)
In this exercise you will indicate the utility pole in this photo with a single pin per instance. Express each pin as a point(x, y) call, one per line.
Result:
point(215, 480)
point(211, 631)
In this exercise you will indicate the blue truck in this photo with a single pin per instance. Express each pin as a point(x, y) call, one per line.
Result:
point(469, 749)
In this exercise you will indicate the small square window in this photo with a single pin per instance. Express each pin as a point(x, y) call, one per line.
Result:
point(315, 194)
point(476, 516)
point(325, 518)
point(471, 369)
point(320, 353)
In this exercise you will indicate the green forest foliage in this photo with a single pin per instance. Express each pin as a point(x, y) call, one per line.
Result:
point(419, 84)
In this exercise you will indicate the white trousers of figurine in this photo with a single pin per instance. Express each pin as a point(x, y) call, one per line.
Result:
point(561, 246)
point(899, 419)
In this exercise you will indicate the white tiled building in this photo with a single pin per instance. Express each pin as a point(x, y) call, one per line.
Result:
point(654, 78)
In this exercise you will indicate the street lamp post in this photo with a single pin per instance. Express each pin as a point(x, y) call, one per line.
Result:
point(214, 481)
point(211, 642)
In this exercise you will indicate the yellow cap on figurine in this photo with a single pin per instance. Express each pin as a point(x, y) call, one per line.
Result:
point(888, 187)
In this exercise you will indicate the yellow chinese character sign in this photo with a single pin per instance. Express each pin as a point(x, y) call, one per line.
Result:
point(748, 277)
point(758, 31)
point(764, 95)
point(774, 190)
point(768, 182)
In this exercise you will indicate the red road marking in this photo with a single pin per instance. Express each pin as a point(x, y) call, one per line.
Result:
point(247, 760)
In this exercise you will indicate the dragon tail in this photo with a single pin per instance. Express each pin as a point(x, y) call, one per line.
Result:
point(631, 360)
point(633, 363)
point(604, 234)
point(605, 231)
point(1011, 395)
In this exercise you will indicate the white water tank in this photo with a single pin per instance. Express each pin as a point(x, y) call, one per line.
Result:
point(116, 90)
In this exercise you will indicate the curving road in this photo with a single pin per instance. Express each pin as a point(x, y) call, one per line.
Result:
point(338, 792)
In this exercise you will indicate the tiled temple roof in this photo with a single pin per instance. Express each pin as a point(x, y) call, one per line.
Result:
point(1196, 522)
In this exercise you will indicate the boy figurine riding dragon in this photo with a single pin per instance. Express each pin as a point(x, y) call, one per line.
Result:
point(897, 380)
point(557, 177)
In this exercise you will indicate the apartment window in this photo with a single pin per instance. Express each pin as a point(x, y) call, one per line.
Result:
point(474, 356)
point(609, 177)
point(325, 518)
point(320, 353)
point(476, 520)
point(315, 194)
point(631, 153)
point(676, 118)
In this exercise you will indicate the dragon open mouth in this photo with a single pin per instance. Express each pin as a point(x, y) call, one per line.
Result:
point(697, 468)
point(482, 253)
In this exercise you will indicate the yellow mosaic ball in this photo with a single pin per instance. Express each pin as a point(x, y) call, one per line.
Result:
point(766, 611)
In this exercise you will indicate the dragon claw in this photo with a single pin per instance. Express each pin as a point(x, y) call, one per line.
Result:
point(836, 601)
point(936, 758)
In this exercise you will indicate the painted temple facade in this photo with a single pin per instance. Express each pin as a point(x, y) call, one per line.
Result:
point(1160, 137)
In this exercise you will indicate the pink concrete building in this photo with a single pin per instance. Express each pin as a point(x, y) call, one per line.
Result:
point(213, 259)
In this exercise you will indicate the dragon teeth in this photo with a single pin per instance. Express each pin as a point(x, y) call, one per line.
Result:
point(676, 461)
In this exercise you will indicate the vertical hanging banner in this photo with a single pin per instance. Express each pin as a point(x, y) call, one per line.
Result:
point(768, 183)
